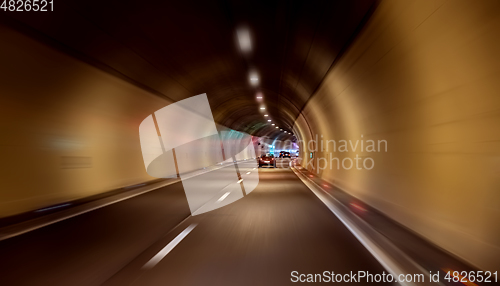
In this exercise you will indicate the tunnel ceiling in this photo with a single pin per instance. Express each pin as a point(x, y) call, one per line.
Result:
point(179, 49)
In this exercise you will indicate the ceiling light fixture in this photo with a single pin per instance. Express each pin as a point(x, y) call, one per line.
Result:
point(254, 78)
point(244, 41)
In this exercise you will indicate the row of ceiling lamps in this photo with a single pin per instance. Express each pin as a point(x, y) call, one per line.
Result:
point(246, 46)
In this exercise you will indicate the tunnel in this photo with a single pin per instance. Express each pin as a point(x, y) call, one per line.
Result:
point(250, 142)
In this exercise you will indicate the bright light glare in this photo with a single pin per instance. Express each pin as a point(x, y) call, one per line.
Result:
point(273, 125)
point(269, 120)
point(262, 108)
point(244, 40)
point(254, 78)
point(265, 115)
point(277, 127)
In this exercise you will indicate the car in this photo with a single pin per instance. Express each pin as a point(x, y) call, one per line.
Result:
point(284, 154)
point(268, 160)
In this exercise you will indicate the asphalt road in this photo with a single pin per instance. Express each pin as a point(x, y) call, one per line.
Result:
point(279, 227)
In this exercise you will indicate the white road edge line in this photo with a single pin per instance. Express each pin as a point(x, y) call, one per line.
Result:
point(162, 253)
point(223, 197)
point(389, 264)
point(248, 173)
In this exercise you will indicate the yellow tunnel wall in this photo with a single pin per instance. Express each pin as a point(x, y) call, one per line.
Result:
point(70, 130)
point(424, 76)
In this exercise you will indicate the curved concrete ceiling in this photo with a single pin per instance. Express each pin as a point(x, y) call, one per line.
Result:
point(179, 49)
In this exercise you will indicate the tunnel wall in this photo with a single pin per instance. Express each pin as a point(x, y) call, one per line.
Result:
point(71, 130)
point(423, 76)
